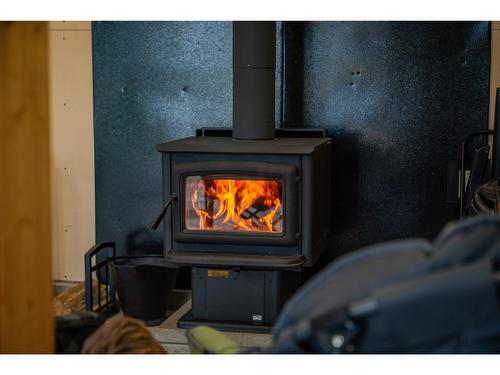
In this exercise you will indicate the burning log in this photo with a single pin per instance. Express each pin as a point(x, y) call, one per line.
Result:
point(225, 204)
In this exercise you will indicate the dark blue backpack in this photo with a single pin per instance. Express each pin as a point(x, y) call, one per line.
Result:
point(408, 296)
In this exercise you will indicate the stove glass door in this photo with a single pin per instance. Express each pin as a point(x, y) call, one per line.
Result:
point(233, 204)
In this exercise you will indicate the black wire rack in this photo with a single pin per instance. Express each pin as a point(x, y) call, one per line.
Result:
point(482, 134)
point(98, 267)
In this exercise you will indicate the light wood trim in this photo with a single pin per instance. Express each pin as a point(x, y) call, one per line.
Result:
point(69, 25)
point(26, 322)
point(72, 149)
point(494, 69)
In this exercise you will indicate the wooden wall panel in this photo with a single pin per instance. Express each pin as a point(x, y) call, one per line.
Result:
point(495, 68)
point(26, 323)
point(72, 147)
point(70, 25)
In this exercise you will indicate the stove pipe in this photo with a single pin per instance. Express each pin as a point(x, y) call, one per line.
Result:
point(254, 60)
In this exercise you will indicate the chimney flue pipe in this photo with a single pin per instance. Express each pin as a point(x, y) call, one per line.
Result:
point(254, 60)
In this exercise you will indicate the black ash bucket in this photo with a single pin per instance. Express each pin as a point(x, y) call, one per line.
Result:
point(143, 285)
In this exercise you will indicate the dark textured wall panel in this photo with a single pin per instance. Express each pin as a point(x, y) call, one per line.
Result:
point(398, 98)
point(153, 82)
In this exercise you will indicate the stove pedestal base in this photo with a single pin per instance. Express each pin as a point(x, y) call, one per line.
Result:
point(239, 299)
point(187, 322)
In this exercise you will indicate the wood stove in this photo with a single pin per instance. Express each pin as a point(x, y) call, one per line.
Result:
point(246, 206)
point(249, 207)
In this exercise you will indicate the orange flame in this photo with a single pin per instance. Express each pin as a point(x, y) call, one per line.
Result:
point(233, 205)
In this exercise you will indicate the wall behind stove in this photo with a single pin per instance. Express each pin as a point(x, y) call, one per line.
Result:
point(153, 82)
point(420, 89)
point(398, 98)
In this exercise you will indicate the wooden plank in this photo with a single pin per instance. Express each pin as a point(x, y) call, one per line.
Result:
point(72, 151)
point(70, 25)
point(494, 73)
point(26, 322)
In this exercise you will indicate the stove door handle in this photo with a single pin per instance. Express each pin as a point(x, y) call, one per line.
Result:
point(154, 224)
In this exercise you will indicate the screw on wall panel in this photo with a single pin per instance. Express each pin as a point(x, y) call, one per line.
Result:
point(123, 89)
point(354, 74)
point(297, 235)
point(184, 89)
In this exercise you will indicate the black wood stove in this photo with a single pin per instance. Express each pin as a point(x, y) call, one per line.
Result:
point(249, 207)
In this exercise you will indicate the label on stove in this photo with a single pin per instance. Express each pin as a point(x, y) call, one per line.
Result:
point(218, 273)
point(257, 318)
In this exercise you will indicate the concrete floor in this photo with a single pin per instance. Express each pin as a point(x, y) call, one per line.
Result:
point(174, 339)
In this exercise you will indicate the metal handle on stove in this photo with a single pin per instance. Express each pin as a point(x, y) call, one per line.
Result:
point(154, 224)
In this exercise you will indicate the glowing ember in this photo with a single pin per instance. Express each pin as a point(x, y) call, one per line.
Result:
point(233, 205)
